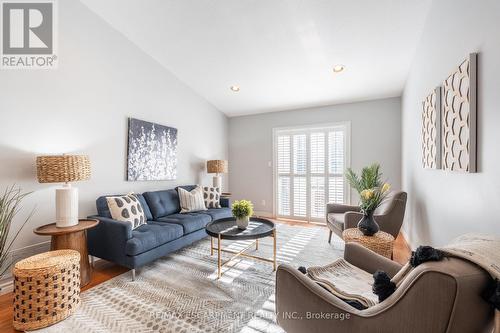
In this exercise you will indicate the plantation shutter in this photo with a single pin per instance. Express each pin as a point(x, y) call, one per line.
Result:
point(309, 168)
point(299, 175)
point(283, 161)
point(336, 166)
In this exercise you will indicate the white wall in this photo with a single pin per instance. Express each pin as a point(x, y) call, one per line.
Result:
point(82, 107)
point(375, 137)
point(443, 205)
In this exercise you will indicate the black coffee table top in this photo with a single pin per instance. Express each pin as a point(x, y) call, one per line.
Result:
point(257, 228)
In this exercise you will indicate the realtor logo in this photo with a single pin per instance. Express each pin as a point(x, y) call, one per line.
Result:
point(28, 35)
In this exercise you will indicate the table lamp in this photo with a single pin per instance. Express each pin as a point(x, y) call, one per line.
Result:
point(64, 169)
point(217, 167)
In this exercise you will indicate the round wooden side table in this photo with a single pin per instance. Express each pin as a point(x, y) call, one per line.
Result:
point(381, 242)
point(71, 238)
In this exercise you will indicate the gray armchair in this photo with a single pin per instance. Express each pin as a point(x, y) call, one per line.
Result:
point(389, 215)
point(441, 296)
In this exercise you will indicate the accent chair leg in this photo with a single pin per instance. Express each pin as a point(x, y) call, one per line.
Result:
point(330, 237)
point(92, 261)
point(133, 274)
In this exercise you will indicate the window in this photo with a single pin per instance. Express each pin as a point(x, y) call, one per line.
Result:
point(309, 170)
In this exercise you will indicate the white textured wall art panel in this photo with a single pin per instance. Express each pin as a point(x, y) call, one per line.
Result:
point(459, 118)
point(431, 130)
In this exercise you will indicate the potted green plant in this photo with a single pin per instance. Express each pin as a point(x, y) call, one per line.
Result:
point(372, 191)
point(10, 205)
point(242, 210)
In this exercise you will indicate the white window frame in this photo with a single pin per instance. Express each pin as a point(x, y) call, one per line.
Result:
point(344, 125)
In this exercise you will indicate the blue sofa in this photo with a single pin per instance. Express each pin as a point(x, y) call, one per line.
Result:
point(167, 230)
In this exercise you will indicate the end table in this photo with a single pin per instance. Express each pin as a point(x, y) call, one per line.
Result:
point(381, 242)
point(72, 238)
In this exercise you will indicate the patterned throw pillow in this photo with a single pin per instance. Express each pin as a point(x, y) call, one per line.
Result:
point(212, 197)
point(191, 201)
point(127, 208)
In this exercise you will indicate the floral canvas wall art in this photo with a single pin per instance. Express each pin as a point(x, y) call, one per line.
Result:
point(152, 151)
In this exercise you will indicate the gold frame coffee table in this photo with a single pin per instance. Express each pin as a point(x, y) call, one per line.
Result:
point(226, 229)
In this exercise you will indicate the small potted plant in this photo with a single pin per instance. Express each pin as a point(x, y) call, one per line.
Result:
point(242, 210)
point(371, 192)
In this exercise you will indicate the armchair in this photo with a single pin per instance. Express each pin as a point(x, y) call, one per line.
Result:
point(442, 296)
point(389, 215)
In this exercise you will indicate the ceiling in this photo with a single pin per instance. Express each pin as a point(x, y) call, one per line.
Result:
point(280, 52)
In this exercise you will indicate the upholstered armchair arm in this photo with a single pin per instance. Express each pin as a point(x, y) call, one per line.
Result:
point(368, 260)
point(108, 239)
point(297, 296)
point(340, 208)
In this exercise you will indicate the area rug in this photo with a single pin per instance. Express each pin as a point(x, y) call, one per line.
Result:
point(180, 292)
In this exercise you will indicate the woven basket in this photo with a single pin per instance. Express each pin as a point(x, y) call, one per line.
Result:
point(381, 243)
point(46, 289)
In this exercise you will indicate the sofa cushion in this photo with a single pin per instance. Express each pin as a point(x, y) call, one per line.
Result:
point(336, 217)
point(162, 203)
point(103, 209)
point(151, 235)
point(190, 222)
point(218, 213)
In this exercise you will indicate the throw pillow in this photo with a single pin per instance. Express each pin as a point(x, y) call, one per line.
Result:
point(127, 208)
point(212, 197)
point(191, 201)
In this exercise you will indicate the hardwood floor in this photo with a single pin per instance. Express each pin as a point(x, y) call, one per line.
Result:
point(402, 252)
point(105, 270)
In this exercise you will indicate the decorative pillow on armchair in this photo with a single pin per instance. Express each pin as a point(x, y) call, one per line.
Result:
point(191, 201)
point(127, 208)
point(212, 197)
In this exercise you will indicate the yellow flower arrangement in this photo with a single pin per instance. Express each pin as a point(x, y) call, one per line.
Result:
point(372, 191)
point(367, 194)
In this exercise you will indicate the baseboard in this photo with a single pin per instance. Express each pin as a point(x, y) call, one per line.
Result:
point(263, 214)
point(6, 284)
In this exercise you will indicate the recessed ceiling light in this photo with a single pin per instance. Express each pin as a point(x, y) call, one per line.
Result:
point(235, 88)
point(338, 68)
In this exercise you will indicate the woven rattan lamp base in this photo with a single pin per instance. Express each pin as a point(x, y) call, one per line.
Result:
point(46, 289)
point(381, 243)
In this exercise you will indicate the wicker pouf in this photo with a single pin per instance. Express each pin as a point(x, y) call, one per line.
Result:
point(46, 289)
point(381, 243)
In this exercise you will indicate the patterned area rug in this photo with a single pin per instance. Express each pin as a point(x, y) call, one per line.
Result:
point(180, 293)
